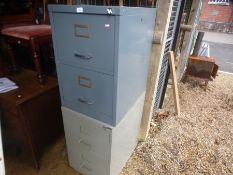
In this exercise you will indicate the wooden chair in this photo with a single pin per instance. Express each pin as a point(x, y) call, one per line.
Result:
point(18, 16)
point(32, 35)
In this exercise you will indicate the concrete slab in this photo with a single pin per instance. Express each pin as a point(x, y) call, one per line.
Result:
point(223, 54)
point(218, 37)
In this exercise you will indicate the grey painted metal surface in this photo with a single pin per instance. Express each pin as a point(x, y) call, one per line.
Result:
point(96, 100)
point(95, 148)
point(98, 49)
point(98, 42)
point(99, 10)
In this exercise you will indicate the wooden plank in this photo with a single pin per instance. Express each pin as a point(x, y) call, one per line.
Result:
point(69, 2)
point(186, 27)
point(188, 38)
point(174, 84)
point(164, 9)
point(121, 2)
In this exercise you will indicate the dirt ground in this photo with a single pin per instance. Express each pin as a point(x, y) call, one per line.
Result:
point(199, 141)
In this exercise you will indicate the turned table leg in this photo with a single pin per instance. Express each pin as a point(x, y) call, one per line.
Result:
point(36, 57)
point(12, 58)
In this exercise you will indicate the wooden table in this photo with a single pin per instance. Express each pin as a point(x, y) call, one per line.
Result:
point(32, 112)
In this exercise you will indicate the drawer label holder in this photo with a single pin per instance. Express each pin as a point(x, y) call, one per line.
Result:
point(81, 30)
point(84, 81)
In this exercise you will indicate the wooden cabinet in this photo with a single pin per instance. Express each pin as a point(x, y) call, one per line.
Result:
point(32, 112)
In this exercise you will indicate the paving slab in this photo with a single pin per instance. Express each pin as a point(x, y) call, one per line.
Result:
point(221, 48)
point(218, 37)
point(223, 54)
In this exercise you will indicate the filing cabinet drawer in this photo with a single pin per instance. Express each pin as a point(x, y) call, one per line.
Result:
point(85, 40)
point(86, 162)
point(87, 135)
point(88, 92)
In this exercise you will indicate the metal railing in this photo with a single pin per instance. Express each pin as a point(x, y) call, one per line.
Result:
point(129, 3)
point(168, 46)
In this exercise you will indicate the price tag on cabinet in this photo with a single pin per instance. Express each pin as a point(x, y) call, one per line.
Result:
point(79, 10)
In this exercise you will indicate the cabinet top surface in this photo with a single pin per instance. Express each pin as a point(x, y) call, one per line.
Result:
point(100, 10)
point(28, 87)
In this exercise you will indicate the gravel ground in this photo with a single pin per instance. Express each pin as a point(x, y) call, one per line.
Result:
point(199, 141)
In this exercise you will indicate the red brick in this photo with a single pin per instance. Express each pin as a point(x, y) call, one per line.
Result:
point(217, 13)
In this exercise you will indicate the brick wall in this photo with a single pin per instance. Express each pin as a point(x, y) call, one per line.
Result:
point(217, 13)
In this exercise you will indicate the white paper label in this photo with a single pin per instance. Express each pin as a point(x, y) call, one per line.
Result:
point(79, 10)
point(106, 25)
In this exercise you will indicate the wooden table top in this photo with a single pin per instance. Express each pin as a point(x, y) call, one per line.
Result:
point(29, 87)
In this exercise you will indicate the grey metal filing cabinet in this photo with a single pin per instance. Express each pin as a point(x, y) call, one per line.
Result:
point(102, 57)
point(96, 148)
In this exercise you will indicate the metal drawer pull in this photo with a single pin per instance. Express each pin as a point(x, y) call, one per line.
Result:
point(85, 57)
point(88, 169)
point(85, 167)
point(85, 101)
point(81, 141)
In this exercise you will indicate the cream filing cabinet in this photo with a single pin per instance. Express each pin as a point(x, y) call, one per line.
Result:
point(95, 148)
point(102, 57)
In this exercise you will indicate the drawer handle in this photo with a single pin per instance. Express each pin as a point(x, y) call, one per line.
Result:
point(85, 101)
point(88, 169)
point(81, 141)
point(85, 167)
point(84, 57)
